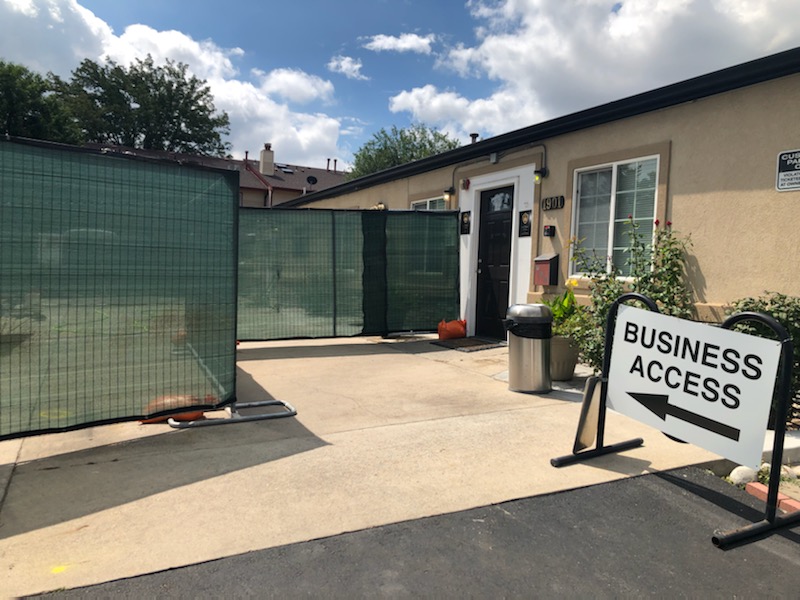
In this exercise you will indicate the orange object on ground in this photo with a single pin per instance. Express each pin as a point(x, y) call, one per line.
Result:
point(450, 330)
point(175, 401)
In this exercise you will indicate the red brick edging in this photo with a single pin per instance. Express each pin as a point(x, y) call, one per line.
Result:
point(785, 503)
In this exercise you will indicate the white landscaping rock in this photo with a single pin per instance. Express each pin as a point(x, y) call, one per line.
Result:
point(788, 472)
point(743, 475)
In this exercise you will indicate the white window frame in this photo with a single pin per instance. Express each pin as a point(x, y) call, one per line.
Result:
point(418, 204)
point(612, 206)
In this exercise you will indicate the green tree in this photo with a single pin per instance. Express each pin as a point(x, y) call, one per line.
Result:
point(146, 106)
point(28, 108)
point(389, 149)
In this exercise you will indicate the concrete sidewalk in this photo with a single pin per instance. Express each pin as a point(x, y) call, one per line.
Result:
point(387, 431)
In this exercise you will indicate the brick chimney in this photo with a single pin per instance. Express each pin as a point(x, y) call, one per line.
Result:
point(267, 163)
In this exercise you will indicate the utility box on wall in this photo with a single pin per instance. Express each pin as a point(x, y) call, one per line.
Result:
point(545, 269)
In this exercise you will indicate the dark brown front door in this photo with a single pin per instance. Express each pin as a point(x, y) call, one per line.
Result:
point(494, 258)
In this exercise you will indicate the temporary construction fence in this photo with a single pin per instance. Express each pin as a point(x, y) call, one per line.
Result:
point(121, 277)
point(334, 273)
point(117, 287)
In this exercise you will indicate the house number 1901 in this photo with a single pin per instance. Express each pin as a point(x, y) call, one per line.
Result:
point(552, 202)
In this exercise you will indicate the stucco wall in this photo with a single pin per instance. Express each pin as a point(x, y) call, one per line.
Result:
point(719, 187)
point(252, 198)
point(717, 177)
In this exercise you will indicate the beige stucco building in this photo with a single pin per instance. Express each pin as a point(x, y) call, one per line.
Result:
point(718, 156)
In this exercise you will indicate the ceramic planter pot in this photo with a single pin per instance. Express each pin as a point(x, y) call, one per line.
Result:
point(563, 358)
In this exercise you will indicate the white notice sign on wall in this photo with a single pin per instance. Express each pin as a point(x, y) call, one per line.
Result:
point(788, 177)
point(705, 385)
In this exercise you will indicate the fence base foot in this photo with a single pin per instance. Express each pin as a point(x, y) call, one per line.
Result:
point(603, 450)
point(235, 417)
point(727, 539)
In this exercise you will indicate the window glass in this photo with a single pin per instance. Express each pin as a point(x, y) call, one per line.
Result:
point(501, 201)
point(433, 204)
point(624, 192)
point(593, 214)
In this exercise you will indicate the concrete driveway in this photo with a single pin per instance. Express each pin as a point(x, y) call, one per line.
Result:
point(387, 431)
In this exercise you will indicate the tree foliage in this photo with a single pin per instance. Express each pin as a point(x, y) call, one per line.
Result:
point(28, 107)
point(149, 106)
point(389, 149)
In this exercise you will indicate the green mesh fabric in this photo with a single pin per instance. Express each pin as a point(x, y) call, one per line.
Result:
point(117, 288)
point(299, 274)
point(335, 273)
point(421, 270)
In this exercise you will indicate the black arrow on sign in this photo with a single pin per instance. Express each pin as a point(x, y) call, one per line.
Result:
point(659, 405)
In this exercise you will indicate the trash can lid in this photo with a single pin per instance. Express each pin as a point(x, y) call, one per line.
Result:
point(530, 313)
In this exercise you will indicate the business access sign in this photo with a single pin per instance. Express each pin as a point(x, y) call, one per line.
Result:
point(705, 385)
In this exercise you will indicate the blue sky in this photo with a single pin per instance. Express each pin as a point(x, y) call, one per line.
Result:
point(317, 78)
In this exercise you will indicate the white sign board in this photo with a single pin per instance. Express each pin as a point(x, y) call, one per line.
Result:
point(788, 177)
point(705, 385)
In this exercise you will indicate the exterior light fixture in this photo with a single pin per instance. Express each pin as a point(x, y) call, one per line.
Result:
point(540, 174)
point(449, 193)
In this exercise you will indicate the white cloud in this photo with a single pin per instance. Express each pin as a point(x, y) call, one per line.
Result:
point(50, 35)
point(407, 42)
point(529, 60)
point(298, 138)
point(55, 35)
point(458, 116)
point(295, 85)
point(549, 58)
point(205, 59)
point(348, 66)
point(24, 7)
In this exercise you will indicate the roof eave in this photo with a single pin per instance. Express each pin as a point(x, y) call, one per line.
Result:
point(739, 76)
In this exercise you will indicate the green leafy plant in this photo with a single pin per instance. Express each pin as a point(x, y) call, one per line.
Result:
point(661, 274)
point(565, 311)
point(656, 271)
point(786, 310)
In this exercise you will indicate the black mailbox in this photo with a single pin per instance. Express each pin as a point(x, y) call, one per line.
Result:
point(545, 269)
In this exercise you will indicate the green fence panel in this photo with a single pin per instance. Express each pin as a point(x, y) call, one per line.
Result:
point(117, 287)
point(337, 273)
point(299, 274)
point(421, 270)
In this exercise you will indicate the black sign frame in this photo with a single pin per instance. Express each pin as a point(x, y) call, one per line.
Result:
point(525, 222)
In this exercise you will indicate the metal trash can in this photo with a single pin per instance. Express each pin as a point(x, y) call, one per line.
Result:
point(530, 328)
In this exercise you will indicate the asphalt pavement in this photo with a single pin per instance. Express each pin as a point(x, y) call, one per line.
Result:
point(637, 537)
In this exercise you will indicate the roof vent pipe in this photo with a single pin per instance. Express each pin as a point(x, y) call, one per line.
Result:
point(474, 137)
point(334, 164)
point(328, 168)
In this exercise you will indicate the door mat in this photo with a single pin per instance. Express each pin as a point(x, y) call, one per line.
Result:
point(469, 344)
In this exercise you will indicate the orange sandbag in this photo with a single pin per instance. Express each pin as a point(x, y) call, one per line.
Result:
point(449, 330)
point(175, 401)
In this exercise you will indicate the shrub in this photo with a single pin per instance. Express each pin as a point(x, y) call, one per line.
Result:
point(786, 310)
point(657, 272)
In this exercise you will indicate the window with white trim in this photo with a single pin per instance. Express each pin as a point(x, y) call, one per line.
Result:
point(432, 204)
point(607, 198)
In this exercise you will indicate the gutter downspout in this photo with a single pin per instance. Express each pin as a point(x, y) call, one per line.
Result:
point(261, 178)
